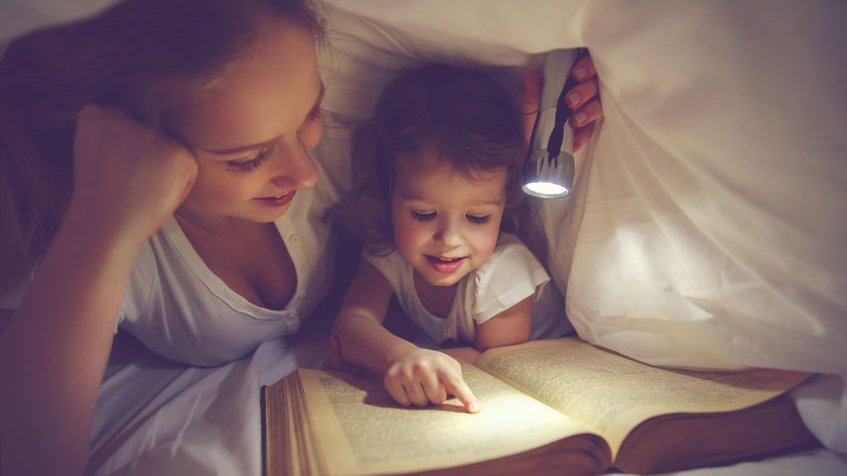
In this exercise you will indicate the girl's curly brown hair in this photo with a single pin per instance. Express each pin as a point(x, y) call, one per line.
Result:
point(459, 114)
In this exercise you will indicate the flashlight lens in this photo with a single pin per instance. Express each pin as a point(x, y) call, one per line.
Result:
point(546, 190)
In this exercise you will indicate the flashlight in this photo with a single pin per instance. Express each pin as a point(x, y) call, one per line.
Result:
point(549, 167)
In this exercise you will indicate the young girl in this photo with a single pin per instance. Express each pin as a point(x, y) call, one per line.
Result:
point(447, 149)
point(191, 220)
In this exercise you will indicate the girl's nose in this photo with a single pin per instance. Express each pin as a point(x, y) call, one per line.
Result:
point(448, 232)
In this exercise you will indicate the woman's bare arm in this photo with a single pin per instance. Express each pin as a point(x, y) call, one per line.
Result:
point(54, 352)
point(128, 180)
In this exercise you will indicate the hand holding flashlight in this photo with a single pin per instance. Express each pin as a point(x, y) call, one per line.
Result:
point(567, 110)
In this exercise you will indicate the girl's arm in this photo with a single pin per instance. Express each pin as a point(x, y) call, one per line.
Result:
point(358, 328)
point(512, 326)
point(412, 376)
point(468, 354)
point(127, 180)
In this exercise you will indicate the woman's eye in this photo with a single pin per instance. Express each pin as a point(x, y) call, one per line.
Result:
point(478, 219)
point(419, 216)
point(252, 163)
point(314, 115)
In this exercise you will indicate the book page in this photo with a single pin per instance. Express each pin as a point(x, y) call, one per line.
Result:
point(612, 394)
point(363, 431)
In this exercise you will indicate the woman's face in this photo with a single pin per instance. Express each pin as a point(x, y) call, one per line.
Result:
point(252, 133)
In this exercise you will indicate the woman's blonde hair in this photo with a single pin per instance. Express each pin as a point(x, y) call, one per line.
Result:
point(147, 58)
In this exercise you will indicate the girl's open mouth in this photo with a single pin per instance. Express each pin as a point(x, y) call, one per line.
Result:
point(445, 265)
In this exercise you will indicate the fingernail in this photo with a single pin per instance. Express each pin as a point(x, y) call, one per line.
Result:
point(473, 407)
point(580, 73)
point(574, 98)
point(580, 117)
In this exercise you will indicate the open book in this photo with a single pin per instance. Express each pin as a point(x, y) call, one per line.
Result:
point(555, 406)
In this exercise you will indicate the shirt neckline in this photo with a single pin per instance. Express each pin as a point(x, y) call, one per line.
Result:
point(173, 232)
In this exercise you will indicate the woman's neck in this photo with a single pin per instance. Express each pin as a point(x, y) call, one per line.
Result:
point(211, 224)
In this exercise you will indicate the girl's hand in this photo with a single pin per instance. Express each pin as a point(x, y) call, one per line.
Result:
point(582, 99)
point(425, 376)
point(128, 178)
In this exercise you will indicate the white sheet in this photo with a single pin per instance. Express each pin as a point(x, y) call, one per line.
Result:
point(706, 231)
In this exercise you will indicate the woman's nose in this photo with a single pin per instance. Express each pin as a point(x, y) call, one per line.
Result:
point(297, 171)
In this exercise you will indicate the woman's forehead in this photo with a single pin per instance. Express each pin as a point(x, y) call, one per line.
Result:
point(267, 93)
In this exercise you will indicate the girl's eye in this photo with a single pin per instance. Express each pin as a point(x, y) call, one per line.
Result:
point(251, 163)
point(478, 219)
point(423, 216)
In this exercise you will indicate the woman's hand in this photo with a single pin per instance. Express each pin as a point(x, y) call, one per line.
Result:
point(128, 178)
point(582, 99)
point(425, 376)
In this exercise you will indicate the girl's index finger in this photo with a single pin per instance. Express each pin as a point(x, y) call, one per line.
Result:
point(463, 393)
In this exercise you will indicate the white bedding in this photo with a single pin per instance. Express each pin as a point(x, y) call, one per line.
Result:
point(156, 417)
point(707, 229)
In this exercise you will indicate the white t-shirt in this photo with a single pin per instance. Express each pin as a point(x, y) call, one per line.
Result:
point(181, 310)
point(509, 276)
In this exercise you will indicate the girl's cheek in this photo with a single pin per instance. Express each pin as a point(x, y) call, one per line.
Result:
point(490, 236)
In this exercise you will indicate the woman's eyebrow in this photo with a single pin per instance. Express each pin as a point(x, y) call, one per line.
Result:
point(318, 102)
point(241, 148)
point(263, 144)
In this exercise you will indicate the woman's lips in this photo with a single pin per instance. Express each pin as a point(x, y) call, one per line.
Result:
point(278, 200)
point(445, 265)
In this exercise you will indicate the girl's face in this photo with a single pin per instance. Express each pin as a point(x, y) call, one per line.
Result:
point(445, 223)
point(252, 133)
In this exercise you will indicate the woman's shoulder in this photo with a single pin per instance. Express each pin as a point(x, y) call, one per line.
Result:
point(10, 297)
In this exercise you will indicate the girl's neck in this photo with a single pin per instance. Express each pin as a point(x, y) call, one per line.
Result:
point(438, 300)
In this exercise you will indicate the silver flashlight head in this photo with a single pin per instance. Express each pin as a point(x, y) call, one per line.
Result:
point(546, 175)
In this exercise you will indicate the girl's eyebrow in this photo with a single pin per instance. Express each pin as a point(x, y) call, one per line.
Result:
point(493, 202)
point(263, 144)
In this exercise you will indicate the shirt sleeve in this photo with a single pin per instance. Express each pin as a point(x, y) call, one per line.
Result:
point(388, 265)
point(139, 288)
point(511, 275)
